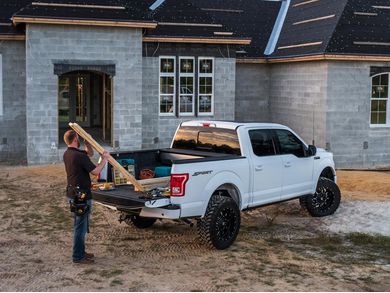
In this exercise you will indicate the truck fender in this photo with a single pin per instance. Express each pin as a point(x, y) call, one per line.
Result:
point(326, 163)
point(220, 179)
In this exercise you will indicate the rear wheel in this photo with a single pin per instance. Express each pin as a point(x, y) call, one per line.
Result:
point(139, 222)
point(325, 201)
point(221, 223)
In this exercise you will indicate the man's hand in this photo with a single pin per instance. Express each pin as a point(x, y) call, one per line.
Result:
point(105, 155)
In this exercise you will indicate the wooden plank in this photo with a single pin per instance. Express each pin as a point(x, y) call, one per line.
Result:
point(12, 37)
point(189, 24)
point(314, 19)
point(80, 131)
point(149, 184)
point(251, 60)
point(304, 3)
point(162, 180)
point(300, 45)
point(78, 6)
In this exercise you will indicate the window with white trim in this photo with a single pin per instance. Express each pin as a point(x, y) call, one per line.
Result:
point(167, 85)
point(205, 86)
point(1, 85)
point(380, 100)
point(186, 86)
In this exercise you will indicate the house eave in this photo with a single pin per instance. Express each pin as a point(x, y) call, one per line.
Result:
point(319, 57)
point(197, 40)
point(65, 21)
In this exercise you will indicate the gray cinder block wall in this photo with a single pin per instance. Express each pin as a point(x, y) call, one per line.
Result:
point(298, 93)
point(252, 93)
point(47, 44)
point(13, 120)
point(158, 130)
point(354, 143)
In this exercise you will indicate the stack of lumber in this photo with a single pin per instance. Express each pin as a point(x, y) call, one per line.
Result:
point(139, 185)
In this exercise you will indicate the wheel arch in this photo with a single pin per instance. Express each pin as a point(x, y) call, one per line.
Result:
point(227, 182)
point(325, 169)
point(231, 191)
point(328, 172)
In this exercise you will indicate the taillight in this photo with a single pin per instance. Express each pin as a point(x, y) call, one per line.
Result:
point(178, 184)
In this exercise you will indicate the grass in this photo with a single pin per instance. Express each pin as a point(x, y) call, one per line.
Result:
point(109, 274)
point(270, 283)
point(90, 271)
point(376, 241)
point(116, 282)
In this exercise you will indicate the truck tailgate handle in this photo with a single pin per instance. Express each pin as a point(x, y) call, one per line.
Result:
point(158, 203)
point(287, 164)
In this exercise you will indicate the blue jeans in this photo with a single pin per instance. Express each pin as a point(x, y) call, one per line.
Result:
point(81, 225)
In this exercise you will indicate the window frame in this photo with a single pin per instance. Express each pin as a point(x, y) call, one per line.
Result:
point(193, 75)
point(200, 75)
point(387, 124)
point(166, 74)
point(1, 87)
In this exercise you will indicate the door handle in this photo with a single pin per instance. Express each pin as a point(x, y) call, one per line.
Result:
point(287, 164)
point(259, 168)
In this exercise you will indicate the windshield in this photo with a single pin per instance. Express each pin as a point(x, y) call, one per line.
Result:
point(207, 139)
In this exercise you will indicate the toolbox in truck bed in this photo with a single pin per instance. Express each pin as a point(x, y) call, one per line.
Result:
point(122, 197)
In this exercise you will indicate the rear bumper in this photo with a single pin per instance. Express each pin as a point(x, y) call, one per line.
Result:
point(169, 212)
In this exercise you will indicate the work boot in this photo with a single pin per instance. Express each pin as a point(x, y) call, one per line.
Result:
point(89, 255)
point(85, 261)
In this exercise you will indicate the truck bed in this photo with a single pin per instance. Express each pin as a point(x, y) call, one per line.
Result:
point(123, 198)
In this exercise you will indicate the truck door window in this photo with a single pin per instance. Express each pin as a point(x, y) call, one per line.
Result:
point(289, 143)
point(262, 142)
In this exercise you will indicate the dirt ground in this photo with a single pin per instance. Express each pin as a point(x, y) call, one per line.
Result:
point(279, 248)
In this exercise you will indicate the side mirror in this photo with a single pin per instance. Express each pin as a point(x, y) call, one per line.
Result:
point(312, 151)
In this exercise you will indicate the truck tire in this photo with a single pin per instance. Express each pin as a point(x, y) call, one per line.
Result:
point(325, 201)
point(140, 222)
point(221, 223)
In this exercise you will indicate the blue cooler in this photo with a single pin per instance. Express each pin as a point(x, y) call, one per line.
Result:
point(162, 171)
point(128, 164)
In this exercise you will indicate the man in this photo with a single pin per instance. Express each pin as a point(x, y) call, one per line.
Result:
point(78, 167)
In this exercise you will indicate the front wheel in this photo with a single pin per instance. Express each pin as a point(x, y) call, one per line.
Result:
point(139, 222)
point(221, 223)
point(325, 201)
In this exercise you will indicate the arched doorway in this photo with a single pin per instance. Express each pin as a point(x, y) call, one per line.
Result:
point(85, 97)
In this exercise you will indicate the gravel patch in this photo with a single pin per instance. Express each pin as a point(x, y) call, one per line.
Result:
point(360, 216)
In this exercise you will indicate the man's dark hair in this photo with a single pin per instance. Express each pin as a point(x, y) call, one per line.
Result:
point(69, 136)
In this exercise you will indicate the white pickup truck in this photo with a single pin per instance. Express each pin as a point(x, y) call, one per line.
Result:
point(221, 168)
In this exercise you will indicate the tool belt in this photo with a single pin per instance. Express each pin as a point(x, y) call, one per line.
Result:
point(78, 200)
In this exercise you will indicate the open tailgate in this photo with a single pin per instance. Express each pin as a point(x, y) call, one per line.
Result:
point(125, 198)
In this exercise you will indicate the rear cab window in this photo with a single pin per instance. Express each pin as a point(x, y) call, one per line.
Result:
point(262, 142)
point(207, 139)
